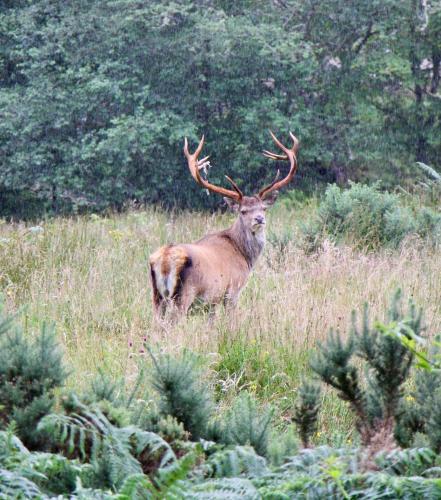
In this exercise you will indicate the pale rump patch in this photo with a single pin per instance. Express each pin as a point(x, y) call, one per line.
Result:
point(167, 264)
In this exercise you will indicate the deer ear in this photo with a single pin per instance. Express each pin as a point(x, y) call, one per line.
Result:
point(271, 198)
point(232, 205)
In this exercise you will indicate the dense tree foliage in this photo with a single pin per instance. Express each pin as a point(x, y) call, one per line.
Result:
point(96, 96)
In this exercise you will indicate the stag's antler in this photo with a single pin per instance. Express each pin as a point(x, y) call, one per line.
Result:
point(194, 165)
point(291, 155)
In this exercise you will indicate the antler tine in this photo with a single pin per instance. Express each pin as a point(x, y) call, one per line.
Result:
point(203, 160)
point(274, 156)
point(276, 178)
point(281, 146)
point(291, 155)
point(193, 164)
point(235, 186)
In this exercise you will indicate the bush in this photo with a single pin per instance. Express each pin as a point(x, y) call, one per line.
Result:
point(100, 456)
point(30, 370)
point(369, 218)
point(420, 416)
point(247, 424)
point(375, 404)
point(183, 393)
point(306, 410)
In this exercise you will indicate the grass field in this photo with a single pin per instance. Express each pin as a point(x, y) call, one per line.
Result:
point(89, 276)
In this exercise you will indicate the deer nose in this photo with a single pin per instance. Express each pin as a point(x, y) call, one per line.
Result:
point(259, 219)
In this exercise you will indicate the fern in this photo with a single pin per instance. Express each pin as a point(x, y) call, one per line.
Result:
point(223, 489)
point(410, 462)
point(52, 473)
point(382, 485)
point(429, 170)
point(111, 450)
point(10, 445)
point(136, 486)
point(14, 485)
point(235, 461)
point(82, 493)
point(170, 481)
point(151, 442)
point(247, 424)
point(312, 460)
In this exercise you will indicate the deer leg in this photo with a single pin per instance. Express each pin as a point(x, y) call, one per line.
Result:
point(158, 301)
point(230, 303)
point(230, 299)
point(212, 313)
point(184, 300)
point(159, 308)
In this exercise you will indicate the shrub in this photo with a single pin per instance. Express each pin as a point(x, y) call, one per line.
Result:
point(85, 433)
point(182, 391)
point(369, 218)
point(30, 370)
point(376, 403)
point(247, 424)
point(306, 410)
point(52, 473)
point(420, 415)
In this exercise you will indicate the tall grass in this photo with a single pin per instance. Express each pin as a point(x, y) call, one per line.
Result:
point(90, 277)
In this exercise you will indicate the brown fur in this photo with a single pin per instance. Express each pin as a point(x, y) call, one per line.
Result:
point(216, 267)
point(213, 269)
point(166, 267)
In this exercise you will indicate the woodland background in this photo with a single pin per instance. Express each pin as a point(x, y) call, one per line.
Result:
point(97, 95)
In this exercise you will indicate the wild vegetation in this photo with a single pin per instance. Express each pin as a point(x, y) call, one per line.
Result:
point(189, 410)
point(294, 395)
point(168, 434)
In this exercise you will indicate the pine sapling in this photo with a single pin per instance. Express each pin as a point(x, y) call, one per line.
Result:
point(384, 347)
point(182, 392)
point(30, 370)
point(306, 410)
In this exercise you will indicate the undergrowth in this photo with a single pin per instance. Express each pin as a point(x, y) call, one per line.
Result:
point(370, 219)
point(166, 435)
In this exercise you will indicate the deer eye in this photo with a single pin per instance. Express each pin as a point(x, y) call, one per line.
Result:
point(243, 211)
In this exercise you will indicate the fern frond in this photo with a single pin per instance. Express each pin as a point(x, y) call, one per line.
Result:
point(10, 445)
point(382, 485)
point(223, 489)
point(136, 486)
point(168, 478)
point(429, 170)
point(409, 462)
point(73, 431)
point(151, 442)
point(235, 461)
point(90, 436)
point(14, 485)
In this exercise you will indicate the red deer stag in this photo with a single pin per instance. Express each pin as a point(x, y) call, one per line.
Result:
point(216, 268)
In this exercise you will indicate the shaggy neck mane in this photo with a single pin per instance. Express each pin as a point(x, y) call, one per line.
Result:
point(249, 244)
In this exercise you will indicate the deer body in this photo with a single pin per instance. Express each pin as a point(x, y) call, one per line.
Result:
point(215, 268)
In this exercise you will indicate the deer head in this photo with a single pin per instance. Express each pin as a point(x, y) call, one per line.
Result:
point(251, 209)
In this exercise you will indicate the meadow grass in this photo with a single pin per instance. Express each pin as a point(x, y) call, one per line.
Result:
point(89, 276)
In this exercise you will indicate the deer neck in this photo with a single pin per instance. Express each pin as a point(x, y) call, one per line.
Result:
point(249, 244)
